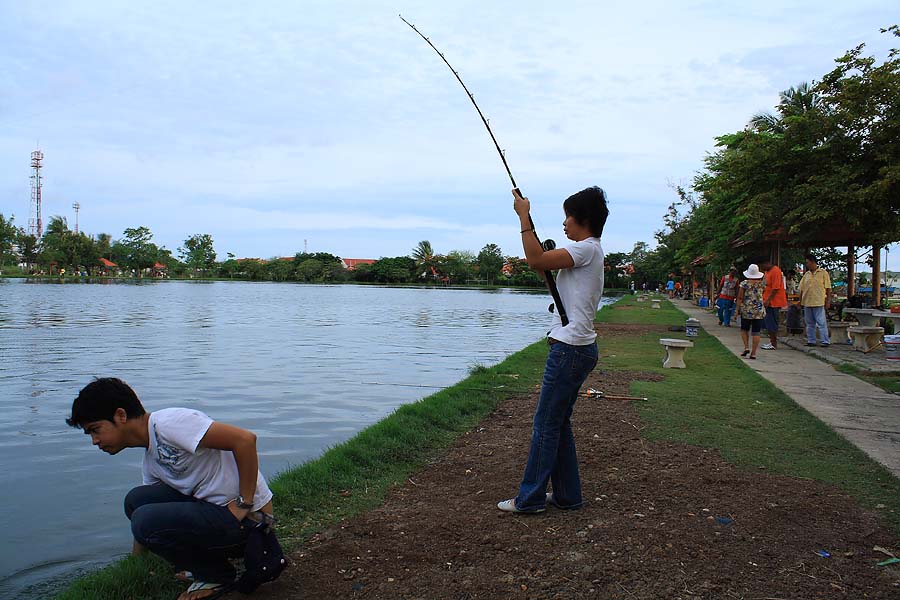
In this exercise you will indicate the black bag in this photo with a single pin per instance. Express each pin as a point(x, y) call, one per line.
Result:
point(263, 558)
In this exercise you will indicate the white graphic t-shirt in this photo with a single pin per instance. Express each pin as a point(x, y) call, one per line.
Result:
point(204, 473)
point(580, 289)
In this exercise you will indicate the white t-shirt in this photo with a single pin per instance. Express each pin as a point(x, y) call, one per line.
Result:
point(204, 473)
point(580, 289)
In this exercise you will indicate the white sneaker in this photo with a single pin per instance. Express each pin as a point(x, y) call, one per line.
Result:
point(767, 347)
point(510, 506)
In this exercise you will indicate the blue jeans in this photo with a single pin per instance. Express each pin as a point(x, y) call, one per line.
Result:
point(191, 534)
point(552, 457)
point(724, 310)
point(815, 317)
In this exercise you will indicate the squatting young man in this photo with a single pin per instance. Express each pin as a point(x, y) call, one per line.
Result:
point(202, 491)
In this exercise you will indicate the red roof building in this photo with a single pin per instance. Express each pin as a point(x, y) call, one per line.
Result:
point(108, 263)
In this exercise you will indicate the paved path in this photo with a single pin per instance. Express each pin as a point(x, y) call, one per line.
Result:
point(864, 414)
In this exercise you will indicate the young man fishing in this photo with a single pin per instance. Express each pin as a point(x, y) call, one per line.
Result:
point(202, 491)
point(573, 350)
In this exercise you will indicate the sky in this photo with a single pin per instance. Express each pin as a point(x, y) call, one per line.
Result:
point(331, 126)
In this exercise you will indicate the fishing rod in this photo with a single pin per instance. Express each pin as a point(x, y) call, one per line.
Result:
point(546, 244)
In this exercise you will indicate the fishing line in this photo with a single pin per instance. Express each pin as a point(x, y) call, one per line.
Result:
point(546, 244)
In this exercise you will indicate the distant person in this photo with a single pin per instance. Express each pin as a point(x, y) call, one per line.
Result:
point(573, 350)
point(815, 298)
point(728, 286)
point(774, 299)
point(750, 307)
point(670, 287)
point(678, 289)
point(202, 491)
point(790, 279)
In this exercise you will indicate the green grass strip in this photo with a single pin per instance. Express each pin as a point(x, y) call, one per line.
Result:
point(719, 402)
point(349, 478)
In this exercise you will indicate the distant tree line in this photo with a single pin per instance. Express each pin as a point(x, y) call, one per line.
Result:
point(60, 251)
point(828, 156)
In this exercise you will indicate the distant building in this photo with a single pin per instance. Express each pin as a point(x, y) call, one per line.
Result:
point(107, 267)
point(351, 263)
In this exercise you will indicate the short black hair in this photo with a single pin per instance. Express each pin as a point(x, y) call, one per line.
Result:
point(99, 400)
point(589, 208)
point(810, 257)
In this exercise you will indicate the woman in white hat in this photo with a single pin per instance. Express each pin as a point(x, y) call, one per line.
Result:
point(750, 307)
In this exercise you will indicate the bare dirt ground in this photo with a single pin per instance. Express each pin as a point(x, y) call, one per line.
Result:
point(663, 520)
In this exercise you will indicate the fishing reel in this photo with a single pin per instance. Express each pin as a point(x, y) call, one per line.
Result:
point(548, 245)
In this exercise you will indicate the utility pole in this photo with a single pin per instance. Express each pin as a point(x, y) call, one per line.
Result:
point(77, 207)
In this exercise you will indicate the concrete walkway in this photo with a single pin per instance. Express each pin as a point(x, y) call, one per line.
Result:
point(864, 414)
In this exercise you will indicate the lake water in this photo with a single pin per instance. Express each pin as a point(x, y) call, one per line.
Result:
point(297, 364)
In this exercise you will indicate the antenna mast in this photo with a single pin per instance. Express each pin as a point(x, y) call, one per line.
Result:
point(35, 223)
point(77, 207)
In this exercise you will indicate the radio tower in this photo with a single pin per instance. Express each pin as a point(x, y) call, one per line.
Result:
point(35, 224)
point(77, 207)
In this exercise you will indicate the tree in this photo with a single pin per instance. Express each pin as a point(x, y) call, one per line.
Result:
point(615, 266)
point(139, 251)
point(104, 245)
point(8, 236)
point(490, 262)
point(425, 259)
point(310, 270)
point(399, 269)
point(198, 252)
point(56, 244)
point(457, 265)
point(29, 247)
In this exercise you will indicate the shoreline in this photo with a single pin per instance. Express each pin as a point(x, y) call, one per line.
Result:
point(310, 497)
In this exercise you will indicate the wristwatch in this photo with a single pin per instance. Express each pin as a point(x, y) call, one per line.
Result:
point(243, 505)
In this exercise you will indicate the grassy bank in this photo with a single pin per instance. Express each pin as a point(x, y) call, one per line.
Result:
point(349, 478)
point(718, 402)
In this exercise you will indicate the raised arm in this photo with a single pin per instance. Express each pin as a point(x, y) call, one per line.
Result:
point(536, 257)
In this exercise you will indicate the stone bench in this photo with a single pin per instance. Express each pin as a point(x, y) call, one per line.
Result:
point(656, 304)
point(838, 332)
point(866, 339)
point(675, 349)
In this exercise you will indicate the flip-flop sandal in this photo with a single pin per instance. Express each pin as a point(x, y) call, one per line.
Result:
point(752, 357)
point(201, 586)
point(745, 353)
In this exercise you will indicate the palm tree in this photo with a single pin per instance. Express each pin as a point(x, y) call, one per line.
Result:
point(794, 101)
point(423, 254)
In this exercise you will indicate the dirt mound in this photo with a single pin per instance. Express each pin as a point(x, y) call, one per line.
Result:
point(662, 520)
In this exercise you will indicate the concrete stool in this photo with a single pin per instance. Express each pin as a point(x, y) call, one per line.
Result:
point(642, 299)
point(656, 304)
point(866, 339)
point(675, 350)
point(837, 331)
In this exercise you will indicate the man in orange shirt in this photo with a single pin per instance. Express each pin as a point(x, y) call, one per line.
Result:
point(774, 299)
